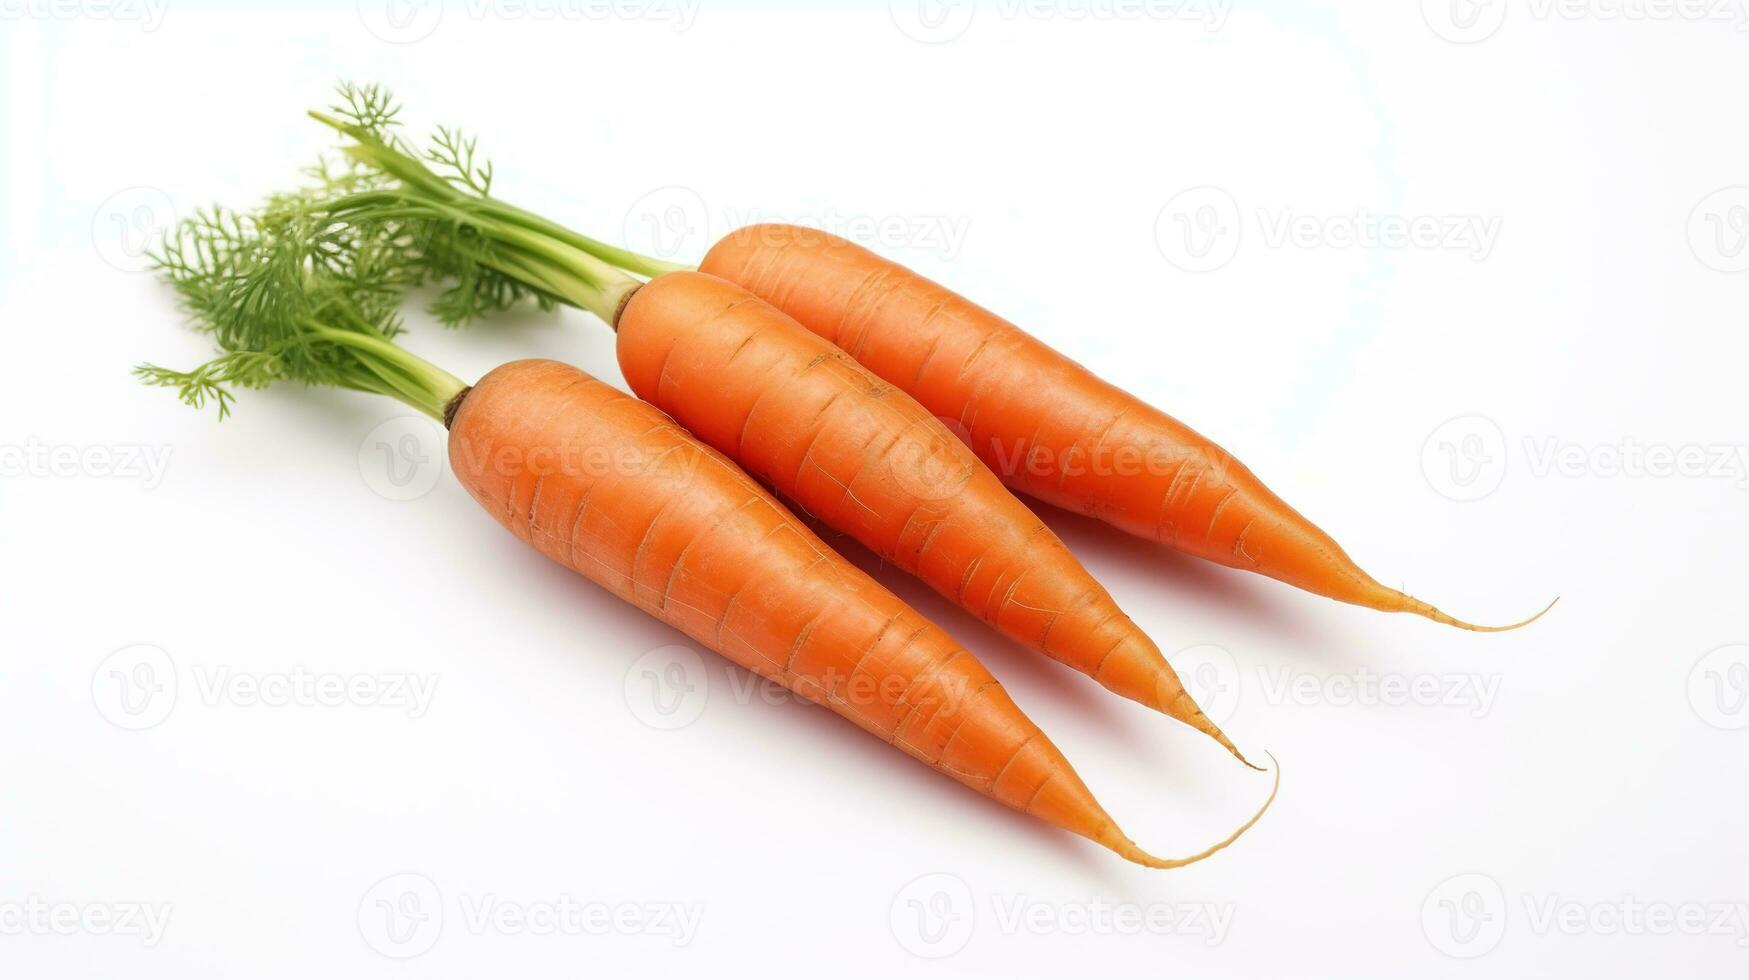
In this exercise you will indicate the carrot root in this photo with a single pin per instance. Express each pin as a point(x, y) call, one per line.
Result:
point(1128, 849)
point(1419, 608)
point(1143, 675)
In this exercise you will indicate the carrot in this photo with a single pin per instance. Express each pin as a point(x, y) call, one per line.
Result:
point(1047, 426)
point(681, 533)
point(791, 408)
point(611, 488)
point(868, 460)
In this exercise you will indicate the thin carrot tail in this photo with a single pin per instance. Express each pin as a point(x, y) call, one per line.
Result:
point(1142, 674)
point(1419, 608)
point(1361, 589)
point(1118, 842)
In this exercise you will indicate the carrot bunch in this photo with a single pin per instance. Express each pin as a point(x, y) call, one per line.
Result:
point(1039, 422)
point(789, 365)
point(669, 525)
point(791, 408)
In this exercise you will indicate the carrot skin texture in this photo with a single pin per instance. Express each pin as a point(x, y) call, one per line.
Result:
point(1044, 424)
point(804, 417)
point(613, 489)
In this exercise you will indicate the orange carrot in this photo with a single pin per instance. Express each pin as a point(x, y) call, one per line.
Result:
point(1047, 426)
point(615, 490)
point(868, 460)
point(794, 410)
point(677, 530)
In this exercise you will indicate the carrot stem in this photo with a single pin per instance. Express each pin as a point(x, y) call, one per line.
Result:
point(622, 258)
point(395, 371)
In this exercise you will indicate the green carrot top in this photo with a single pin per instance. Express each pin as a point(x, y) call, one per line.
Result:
point(284, 296)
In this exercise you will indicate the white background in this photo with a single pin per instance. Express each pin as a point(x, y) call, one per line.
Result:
point(1038, 161)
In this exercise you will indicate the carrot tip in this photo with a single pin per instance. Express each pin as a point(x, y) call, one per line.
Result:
point(1127, 848)
point(1208, 727)
point(1423, 609)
